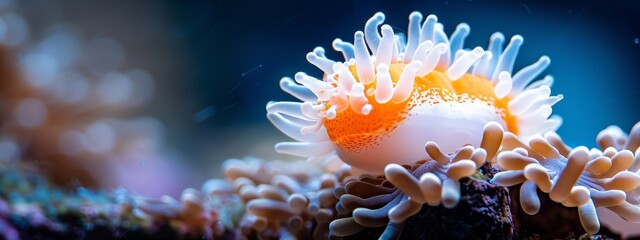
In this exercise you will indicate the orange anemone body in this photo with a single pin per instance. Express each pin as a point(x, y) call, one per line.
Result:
point(354, 132)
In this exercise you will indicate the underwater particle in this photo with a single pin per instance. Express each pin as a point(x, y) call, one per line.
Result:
point(101, 33)
point(389, 200)
point(636, 41)
point(578, 177)
point(251, 70)
point(283, 198)
point(204, 114)
point(394, 93)
point(236, 86)
point(525, 7)
point(229, 106)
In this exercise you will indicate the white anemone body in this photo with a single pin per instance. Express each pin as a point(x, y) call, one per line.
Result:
point(426, 123)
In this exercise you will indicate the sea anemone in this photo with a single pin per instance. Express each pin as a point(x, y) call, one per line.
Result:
point(576, 177)
point(392, 94)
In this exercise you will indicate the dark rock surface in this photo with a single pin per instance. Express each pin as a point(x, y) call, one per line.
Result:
point(482, 213)
point(553, 221)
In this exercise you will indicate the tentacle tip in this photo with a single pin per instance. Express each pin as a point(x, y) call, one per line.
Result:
point(493, 126)
point(496, 36)
point(531, 212)
point(504, 75)
point(463, 26)
point(367, 109)
point(478, 51)
point(269, 105)
point(278, 148)
point(382, 67)
point(545, 59)
point(449, 203)
point(517, 39)
point(392, 167)
point(299, 76)
point(311, 56)
point(415, 16)
point(430, 144)
point(285, 80)
point(581, 149)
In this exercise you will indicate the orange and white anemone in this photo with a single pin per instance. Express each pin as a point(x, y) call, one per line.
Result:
point(392, 94)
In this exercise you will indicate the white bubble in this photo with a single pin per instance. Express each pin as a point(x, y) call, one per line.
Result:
point(101, 137)
point(9, 150)
point(114, 88)
point(72, 143)
point(63, 44)
point(30, 113)
point(40, 69)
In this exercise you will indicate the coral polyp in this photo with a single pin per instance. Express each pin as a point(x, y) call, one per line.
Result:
point(577, 177)
point(283, 199)
point(394, 93)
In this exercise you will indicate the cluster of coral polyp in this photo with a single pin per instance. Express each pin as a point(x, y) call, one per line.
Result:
point(578, 177)
point(283, 199)
point(414, 116)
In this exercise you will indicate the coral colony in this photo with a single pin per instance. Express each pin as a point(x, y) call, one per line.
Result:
point(409, 136)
